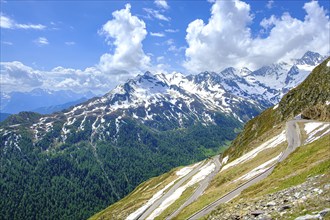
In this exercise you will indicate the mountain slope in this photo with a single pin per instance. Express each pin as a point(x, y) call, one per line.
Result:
point(312, 94)
point(93, 154)
point(255, 150)
point(56, 108)
point(3, 116)
point(298, 186)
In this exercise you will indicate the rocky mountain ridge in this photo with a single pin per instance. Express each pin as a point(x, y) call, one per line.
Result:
point(174, 100)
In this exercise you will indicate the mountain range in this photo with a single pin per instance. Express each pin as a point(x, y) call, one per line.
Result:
point(41, 100)
point(277, 168)
point(94, 153)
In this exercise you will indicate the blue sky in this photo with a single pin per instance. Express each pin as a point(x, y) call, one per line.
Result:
point(94, 45)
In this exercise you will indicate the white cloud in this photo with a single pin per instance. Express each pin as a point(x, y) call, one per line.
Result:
point(172, 30)
point(169, 42)
point(41, 41)
point(7, 43)
point(269, 4)
point(8, 23)
point(125, 32)
point(156, 14)
point(226, 39)
point(70, 43)
point(15, 76)
point(161, 4)
point(155, 34)
point(159, 59)
point(30, 26)
point(268, 23)
point(89, 79)
point(173, 48)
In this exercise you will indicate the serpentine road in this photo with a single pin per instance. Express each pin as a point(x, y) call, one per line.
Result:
point(293, 139)
point(199, 191)
point(155, 205)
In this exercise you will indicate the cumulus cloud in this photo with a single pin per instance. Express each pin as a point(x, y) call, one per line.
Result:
point(226, 39)
point(125, 33)
point(89, 79)
point(8, 23)
point(15, 76)
point(162, 4)
point(41, 41)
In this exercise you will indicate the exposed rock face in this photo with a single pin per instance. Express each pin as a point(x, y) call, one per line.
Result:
point(291, 202)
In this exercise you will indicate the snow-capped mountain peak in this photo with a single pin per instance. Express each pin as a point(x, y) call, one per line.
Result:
point(310, 58)
point(245, 71)
point(167, 101)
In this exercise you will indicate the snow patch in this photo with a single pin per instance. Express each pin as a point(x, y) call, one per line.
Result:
point(260, 169)
point(204, 171)
point(185, 170)
point(82, 127)
point(225, 160)
point(275, 107)
point(313, 128)
point(94, 127)
point(273, 142)
point(155, 197)
point(328, 64)
point(306, 67)
point(70, 122)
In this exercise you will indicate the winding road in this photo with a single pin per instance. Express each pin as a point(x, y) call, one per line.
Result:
point(155, 205)
point(199, 191)
point(203, 185)
point(293, 139)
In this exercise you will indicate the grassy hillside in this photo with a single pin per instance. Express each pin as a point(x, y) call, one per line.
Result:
point(306, 162)
point(308, 98)
point(142, 193)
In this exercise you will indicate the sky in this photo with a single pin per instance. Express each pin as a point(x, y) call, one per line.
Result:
point(95, 45)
